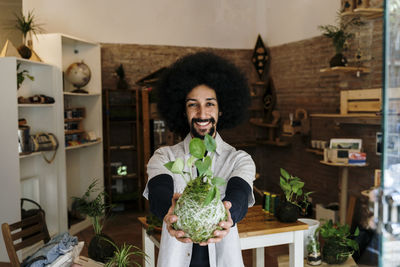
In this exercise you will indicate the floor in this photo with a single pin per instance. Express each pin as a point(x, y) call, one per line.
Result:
point(124, 227)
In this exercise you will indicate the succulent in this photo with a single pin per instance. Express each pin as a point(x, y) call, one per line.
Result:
point(199, 209)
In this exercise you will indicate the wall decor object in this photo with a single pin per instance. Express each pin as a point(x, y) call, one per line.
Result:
point(260, 57)
point(362, 3)
point(347, 6)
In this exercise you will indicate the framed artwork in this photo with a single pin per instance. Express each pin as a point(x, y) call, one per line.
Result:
point(344, 143)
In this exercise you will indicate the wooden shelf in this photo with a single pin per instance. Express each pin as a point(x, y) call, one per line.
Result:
point(370, 13)
point(259, 122)
point(345, 70)
point(69, 132)
point(128, 176)
point(83, 145)
point(35, 105)
point(343, 164)
point(33, 154)
point(123, 147)
point(80, 94)
point(359, 118)
point(74, 119)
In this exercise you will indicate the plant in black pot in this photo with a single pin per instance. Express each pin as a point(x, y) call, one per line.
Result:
point(294, 200)
point(340, 36)
point(338, 244)
point(99, 249)
point(124, 255)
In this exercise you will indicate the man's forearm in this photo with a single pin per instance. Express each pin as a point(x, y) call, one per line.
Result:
point(161, 190)
point(237, 192)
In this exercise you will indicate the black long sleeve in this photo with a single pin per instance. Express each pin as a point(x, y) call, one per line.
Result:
point(161, 190)
point(237, 192)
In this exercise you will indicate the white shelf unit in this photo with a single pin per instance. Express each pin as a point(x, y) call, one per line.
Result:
point(29, 175)
point(85, 162)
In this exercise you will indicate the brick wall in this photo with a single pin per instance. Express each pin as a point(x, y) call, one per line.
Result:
point(295, 69)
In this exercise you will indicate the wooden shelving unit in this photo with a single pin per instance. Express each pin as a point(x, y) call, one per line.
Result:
point(360, 118)
point(338, 69)
point(272, 133)
point(370, 13)
point(122, 142)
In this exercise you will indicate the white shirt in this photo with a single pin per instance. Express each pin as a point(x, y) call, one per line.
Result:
point(227, 163)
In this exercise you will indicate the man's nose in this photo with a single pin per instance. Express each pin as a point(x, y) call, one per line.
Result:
point(202, 112)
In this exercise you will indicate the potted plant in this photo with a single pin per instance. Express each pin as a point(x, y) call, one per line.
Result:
point(338, 243)
point(294, 199)
point(21, 76)
point(121, 83)
point(340, 37)
point(28, 26)
point(123, 255)
point(99, 249)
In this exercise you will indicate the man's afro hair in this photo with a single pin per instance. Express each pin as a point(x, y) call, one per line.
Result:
point(202, 68)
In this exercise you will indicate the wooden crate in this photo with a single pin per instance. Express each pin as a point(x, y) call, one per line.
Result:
point(360, 101)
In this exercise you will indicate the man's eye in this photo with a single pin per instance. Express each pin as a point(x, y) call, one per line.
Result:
point(190, 105)
point(210, 104)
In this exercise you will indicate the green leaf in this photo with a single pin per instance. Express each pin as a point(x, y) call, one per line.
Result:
point(210, 143)
point(203, 166)
point(190, 161)
point(197, 148)
point(218, 181)
point(210, 196)
point(285, 174)
point(168, 165)
point(178, 165)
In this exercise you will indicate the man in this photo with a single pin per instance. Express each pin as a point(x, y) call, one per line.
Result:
point(199, 94)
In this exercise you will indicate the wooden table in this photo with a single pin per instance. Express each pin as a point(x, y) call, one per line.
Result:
point(256, 231)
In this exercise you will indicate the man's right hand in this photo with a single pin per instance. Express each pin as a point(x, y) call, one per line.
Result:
point(171, 218)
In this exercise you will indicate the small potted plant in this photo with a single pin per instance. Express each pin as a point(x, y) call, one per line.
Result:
point(338, 243)
point(123, 256)
point(21, 76)
point(340, 37)
point(294, 199)
point(28, 26)
point(99, 249)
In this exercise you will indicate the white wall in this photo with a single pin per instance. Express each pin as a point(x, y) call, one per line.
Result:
point(294, 20)
point(204, 23)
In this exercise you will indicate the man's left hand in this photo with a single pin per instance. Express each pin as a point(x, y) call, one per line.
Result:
point(225, 225)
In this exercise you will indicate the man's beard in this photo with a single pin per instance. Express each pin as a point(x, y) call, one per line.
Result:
point(195, 133)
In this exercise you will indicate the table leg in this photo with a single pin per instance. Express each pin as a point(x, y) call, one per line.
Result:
point(296, 250)
point(343, 194)
point(258, 257)
point(148, 247)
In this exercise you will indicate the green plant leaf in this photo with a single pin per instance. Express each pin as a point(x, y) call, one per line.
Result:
point(190, 161)
point(203, 166)
point(178, 165)
point(285, 174)
point(210, 143)
point(218, 181)
point(168, 165)
point(197, 148)
point(210, 196)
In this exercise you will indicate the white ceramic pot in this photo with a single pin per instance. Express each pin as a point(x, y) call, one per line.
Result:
point(312, 227)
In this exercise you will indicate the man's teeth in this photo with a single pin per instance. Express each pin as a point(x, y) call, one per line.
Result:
point(203, 123)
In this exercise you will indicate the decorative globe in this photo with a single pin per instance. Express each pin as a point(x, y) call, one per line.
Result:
point(78, 74)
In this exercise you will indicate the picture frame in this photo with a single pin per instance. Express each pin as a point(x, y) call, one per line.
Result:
point(345, 143)
point(392, 145)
